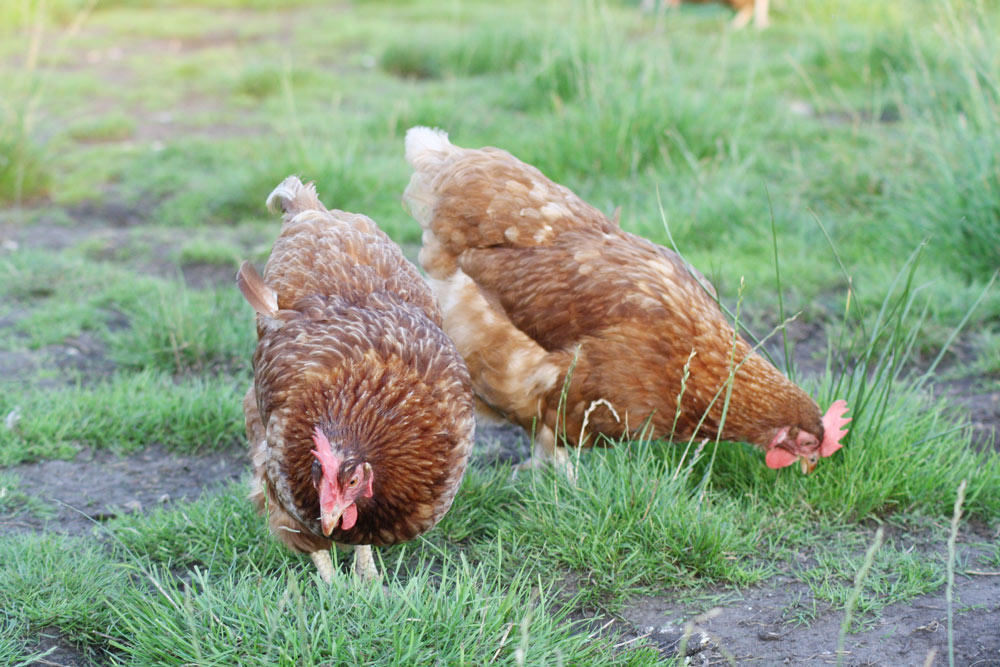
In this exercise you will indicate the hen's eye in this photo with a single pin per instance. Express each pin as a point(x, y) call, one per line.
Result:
point(353, 482)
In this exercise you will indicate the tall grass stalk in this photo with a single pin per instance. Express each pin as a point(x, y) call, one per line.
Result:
point(852, 601)
point(777, 284)
point(950, 588)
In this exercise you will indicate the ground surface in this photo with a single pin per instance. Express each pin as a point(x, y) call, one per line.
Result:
point(755, 625)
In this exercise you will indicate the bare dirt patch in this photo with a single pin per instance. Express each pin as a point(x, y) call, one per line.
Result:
point(99, 485)
point(755, 627)
point(56, 651)
point(983, 407)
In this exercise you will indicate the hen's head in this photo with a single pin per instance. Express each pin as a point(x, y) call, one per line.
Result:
point(340, 480)
point(795, 443)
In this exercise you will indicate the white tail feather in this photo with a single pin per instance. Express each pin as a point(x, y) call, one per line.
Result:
point(425, 145)
point(292, 196)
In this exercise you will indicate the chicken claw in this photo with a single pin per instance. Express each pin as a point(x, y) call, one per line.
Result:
point(542, 455)
point(323, 564)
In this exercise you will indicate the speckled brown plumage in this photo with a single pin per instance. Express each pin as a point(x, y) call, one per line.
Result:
point(533, 282)
point(355, 348)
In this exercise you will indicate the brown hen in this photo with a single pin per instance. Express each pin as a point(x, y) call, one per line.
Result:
point(557, 310)
point(360, 416)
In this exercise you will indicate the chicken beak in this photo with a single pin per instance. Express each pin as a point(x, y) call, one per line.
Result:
point(329, 520)
point(807, 465)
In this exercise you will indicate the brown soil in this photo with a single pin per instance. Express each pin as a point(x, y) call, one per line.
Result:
point(98, 485)
point(754, 627)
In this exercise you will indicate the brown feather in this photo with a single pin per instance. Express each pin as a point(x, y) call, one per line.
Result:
point(260, 297)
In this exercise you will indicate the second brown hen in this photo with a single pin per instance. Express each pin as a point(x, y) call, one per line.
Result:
point(572, 327)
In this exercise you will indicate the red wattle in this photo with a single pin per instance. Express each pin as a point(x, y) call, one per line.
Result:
point(779, 458)
point(349, 517)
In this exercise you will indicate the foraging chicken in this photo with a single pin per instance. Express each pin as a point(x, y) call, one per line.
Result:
point(572, 327)
point(745, 10)
point(360, 416)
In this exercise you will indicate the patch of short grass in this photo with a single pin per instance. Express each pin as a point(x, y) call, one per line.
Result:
point(206, 251)
point(148, 323)
point(483, 50)
point(11, 643)
point(58, 581)
point(203, 583)
point(896, 575)
point(259, 81)
point(107, 127)
point(463, 614)
point(14, 501)
point(186, 331)
point(65, 295)
point(219, 533)
point(631, 525)
point(24, 162)
point(124, 412)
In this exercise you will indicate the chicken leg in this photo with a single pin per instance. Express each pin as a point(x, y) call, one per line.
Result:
point(364, 563)
point(545, 451)
point(758, 12)
point(324, 564)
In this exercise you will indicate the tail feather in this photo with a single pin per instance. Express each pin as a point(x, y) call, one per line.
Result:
point(292, 197)
point(426, 147)
point(257, 293)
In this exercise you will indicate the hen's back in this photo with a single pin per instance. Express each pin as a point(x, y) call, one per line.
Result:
point(335, 253)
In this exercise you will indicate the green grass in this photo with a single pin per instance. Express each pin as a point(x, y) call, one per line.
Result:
point(124, 412)
point(460, 614)
point(14, 501)
point(839, 141)
point(635, 528)
point(11, 648)
point(895, 576)
point(204, 251)
point(24, 171)
point(185, 331)
point(109, 127)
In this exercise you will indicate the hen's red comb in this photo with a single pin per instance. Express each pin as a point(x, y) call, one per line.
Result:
point(324, 452)
point(833, 428)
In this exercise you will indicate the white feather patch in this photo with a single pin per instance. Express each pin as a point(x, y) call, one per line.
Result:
point(423, 140)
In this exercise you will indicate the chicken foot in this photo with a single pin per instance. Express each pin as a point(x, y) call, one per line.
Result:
point(545, 451)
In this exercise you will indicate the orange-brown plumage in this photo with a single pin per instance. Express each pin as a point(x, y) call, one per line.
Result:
point(534, 282)
point(354, 356)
